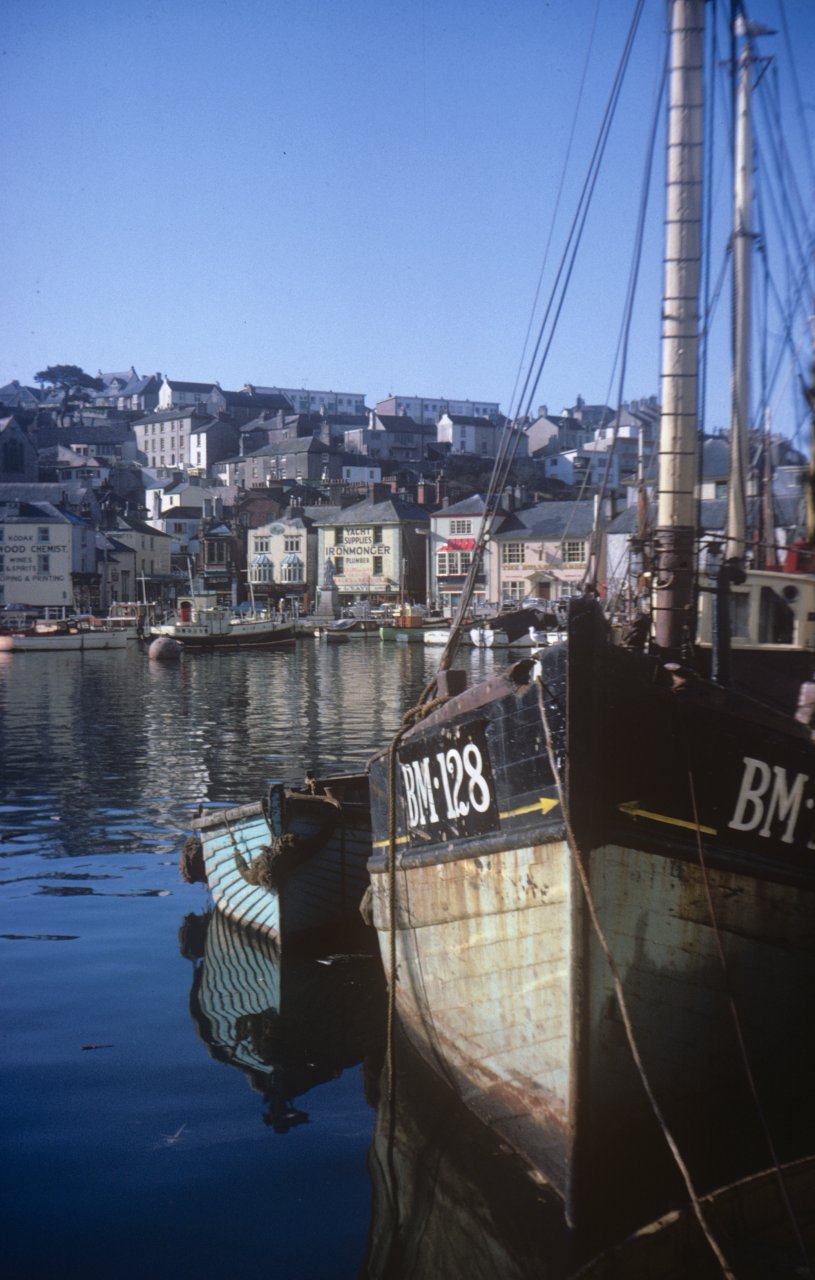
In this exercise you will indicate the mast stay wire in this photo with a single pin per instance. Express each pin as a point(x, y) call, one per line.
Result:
point(510, 438)
point(558, 198)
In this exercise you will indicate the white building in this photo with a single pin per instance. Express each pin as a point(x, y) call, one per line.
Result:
point(44, 556)
point(306, 400)
point(282, 560)
point(429, 409)
point(476, 435)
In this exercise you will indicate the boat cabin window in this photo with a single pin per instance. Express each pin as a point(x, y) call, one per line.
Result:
point(776, 622)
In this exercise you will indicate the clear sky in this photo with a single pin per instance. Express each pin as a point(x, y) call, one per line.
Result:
point(342, 194)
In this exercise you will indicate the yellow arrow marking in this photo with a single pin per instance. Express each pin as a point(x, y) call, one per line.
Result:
point(540, 806)
point(632, 807)
point(543, 805)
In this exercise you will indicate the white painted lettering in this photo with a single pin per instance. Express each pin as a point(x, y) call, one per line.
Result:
point(424, 789)
point(784, 803)
point(410, 795)
point(750, 806)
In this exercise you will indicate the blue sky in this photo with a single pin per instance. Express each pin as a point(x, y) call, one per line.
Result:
point(353, 195)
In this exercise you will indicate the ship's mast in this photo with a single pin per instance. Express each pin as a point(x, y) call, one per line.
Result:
point(742, 249)
point(675, 533)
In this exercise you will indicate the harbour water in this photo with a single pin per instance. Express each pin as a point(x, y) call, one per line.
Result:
point(132, 1144)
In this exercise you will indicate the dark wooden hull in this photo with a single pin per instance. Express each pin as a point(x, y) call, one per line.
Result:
point(687, 813)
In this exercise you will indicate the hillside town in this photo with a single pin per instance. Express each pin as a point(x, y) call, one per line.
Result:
point(126, 487)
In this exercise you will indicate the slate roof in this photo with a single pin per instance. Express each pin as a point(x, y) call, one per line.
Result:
point(548, 521)
point(400, 422)
point(179, 513)
point(273, 401)
point(391, 511)
point(175, 385)
point(297, 444)
point(470, 506)
point(15, 396)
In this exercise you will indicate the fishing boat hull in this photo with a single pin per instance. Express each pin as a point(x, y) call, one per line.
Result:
point(293, 864)
point(689, 835)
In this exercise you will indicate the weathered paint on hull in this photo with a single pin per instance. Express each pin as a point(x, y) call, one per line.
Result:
point(481, 979)
point(485, 988)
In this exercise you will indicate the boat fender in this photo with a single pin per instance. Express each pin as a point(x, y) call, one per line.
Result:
point(270, 867)
point(192, 936)
point(191, 861)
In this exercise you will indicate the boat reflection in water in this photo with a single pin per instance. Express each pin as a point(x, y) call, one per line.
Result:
point(450, 1200)
point(289, 1022)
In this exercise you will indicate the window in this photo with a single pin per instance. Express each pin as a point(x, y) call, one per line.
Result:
point(339, 567)
point(13, 458)
point(377, 567)
point(43, 533)
point(291, 544)
point(465, 560)
point(512, 553)
point(441, 564)
point(514, 589)
point(574, 551)
point(338, 536)
point(376, 534)
point(459, 528)
point(43, 564)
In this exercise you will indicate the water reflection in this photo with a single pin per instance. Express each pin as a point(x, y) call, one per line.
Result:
point(288, 1022)
point(448, 1200)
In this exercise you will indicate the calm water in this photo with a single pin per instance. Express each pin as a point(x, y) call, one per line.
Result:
point(133, 1145)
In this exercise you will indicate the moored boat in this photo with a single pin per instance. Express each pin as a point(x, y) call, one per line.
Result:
point(215, 629)
point(56, 635)
point(292, 864)
point(593, 878)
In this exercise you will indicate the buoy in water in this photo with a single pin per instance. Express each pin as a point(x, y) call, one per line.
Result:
point(164, 649)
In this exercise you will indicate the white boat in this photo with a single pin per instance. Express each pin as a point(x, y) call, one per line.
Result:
point(216, 629)
point(439, 635)
point(49, 636)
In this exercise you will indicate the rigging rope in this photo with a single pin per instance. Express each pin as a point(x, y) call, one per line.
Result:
point(577, 858)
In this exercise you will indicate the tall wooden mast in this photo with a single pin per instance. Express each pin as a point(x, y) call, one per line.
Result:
point(676, 523)
point(742, 249)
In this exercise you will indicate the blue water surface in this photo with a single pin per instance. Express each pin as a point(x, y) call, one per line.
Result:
point(128, 1149)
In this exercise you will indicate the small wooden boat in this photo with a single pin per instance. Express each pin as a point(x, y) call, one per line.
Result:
point(291, 864)
point(289, 1022)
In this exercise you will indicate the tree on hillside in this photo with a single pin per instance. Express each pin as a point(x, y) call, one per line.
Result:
point(72, 383)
